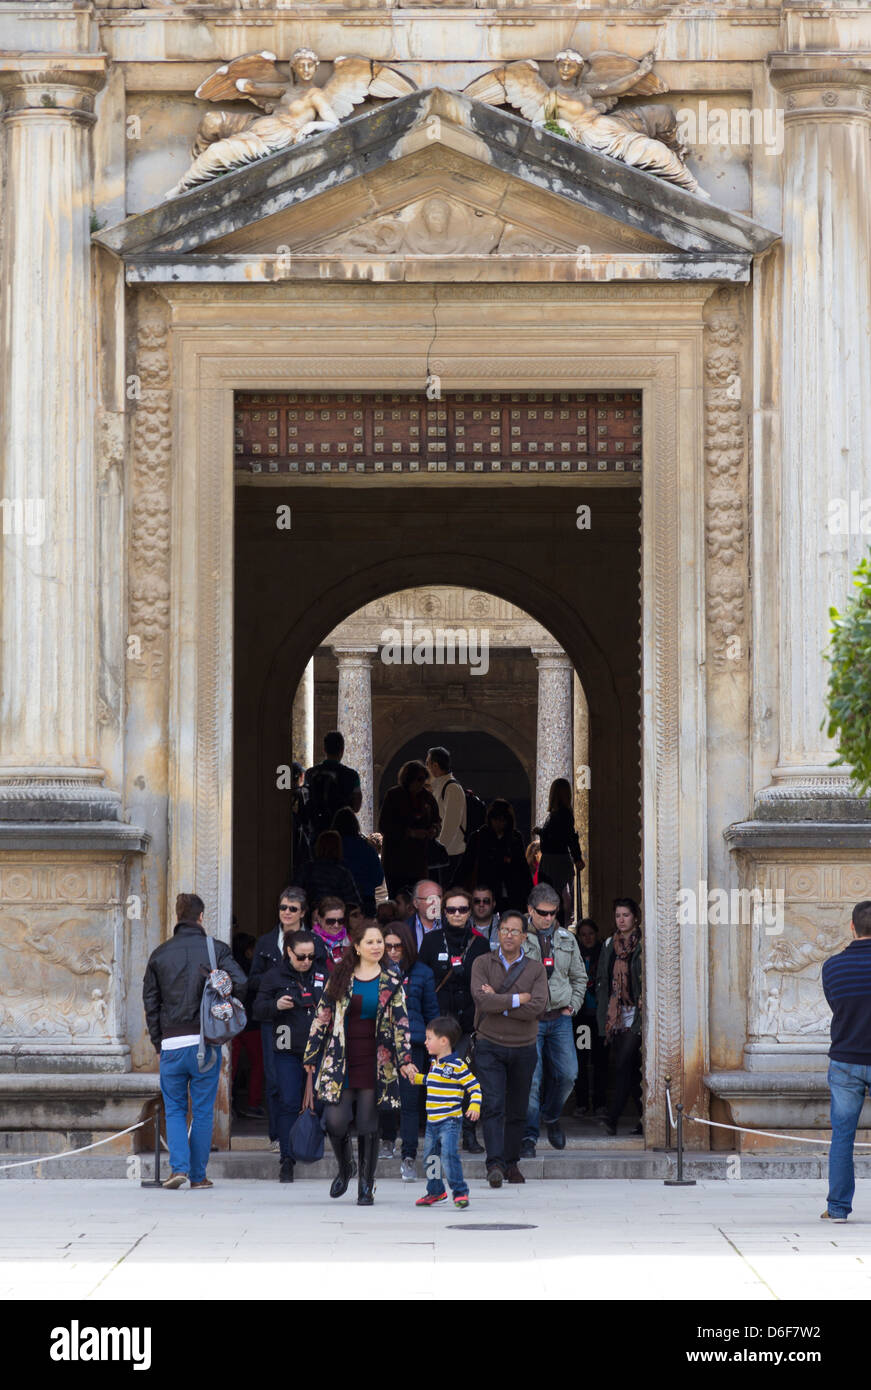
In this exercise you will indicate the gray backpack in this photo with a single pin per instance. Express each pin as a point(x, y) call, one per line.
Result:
point(221, 1014)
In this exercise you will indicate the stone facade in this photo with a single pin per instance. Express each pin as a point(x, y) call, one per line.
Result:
point(432, 243)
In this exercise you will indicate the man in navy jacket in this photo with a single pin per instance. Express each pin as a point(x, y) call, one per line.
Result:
point(846, 980)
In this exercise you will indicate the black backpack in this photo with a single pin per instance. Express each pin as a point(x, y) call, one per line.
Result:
point(324, 798)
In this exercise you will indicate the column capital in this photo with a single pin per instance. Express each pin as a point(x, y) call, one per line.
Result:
point(551, 657)
point(51, 84)
point(823, 86)
point(355, 656)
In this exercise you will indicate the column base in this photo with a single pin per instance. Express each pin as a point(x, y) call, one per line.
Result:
point(817, 796)
point(58, 794)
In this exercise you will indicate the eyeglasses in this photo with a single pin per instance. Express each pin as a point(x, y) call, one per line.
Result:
point(289, 907)
point(334, 921)
point(395, 946)
point(546, 911)
point(306, 955)
point(511, 931)
point(454, 908)
point(482, 902)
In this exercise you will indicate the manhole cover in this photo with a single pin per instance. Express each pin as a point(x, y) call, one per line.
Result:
point(492, 1226)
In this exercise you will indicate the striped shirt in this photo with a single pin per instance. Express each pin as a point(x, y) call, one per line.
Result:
point(446, 1082)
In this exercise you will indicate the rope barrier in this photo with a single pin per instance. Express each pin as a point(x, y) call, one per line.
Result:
point(771, 1134)
point(47, 1158)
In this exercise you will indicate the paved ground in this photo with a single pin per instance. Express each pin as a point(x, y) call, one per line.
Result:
point(757, 1241)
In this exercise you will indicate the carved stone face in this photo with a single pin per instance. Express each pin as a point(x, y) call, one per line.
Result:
point(569, 67)
point(436, 215)
point(304, 67)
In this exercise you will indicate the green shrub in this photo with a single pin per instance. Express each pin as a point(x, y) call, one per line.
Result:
point(849, 695)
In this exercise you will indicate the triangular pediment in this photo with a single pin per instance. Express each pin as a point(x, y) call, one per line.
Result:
point(434, 176)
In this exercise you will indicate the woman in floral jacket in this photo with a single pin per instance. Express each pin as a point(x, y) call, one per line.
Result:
point(359, 1042)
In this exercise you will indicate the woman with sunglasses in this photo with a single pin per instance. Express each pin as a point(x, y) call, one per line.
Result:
point(286, 1001)
point(400, 952)
point(408, 823)
point(450, 952)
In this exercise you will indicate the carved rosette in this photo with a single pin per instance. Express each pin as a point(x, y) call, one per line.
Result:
point(725, 482)
point(150, 516)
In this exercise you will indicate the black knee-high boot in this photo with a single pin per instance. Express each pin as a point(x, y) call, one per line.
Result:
point(367, 1152)
point(347, 1168)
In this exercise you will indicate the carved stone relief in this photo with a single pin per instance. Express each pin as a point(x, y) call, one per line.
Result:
point(726, 482)
point(150, 518)
point(58, 980)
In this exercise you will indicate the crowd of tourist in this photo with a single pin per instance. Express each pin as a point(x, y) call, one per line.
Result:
point(422, 979)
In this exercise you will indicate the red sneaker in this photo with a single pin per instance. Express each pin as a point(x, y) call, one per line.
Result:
point(461, 1202)
point(429, 1200)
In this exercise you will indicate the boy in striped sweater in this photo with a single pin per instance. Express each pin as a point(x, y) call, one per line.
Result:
point(447, 1081)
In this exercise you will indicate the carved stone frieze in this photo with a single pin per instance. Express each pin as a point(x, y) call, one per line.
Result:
point(150, 516)
point(725, 482)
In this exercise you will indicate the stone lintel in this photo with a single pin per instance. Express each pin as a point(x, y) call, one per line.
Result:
point(777, 1100)
point(104, 837)
point(551, 268)
point(805, 835)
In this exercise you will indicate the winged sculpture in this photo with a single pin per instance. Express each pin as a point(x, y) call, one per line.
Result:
point(581, 104)
point(295, 107)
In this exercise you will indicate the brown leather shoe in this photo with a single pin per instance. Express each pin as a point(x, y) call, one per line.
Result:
point(513, 1174)
point(206, 1182)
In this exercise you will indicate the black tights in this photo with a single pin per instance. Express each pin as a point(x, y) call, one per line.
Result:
point(337, 1118)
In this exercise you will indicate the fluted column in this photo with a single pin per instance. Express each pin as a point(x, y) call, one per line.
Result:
point(553, 754)
point(355, 719)
point(303, 730)
point(48, 623)
point(826, 403)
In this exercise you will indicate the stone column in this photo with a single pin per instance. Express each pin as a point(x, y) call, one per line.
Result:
point(826, 405)
point(303, 728)
point(355, 719)
point(553, 753)
point(48, 627)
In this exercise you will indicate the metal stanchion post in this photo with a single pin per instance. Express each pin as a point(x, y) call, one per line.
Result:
point(155, 1180)
point(668, 1112)
point(680, 1180)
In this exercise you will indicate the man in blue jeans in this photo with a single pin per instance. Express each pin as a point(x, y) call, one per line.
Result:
point(172, 991)
point(556, 1068)
point(846, 980)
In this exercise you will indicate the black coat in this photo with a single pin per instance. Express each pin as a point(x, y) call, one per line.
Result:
point(326, 878)
point(498, 864)
point(175, 976)
point(438, 949)
point(305, 989)
point(267, 954)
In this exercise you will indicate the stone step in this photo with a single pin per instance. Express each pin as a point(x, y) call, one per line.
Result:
point(593, 1163)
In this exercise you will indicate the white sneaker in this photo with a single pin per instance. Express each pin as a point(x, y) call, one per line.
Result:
point(825, 1216)
point(275, 1147)
point(406, 1170)
point(386, 1150)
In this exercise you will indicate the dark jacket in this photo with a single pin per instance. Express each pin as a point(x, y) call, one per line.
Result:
point(603, 985)
point(326, 878)
point(174, 979)
point(450, 955)
point(421, 1000)
point(267, 954)
point(500, 864)
point(846, 980)
point(495, 1020)
point(305, 989)
point(559, 836)
point(405, 858)
point(362, 862)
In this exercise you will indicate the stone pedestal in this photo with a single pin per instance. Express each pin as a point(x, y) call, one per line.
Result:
point(354, 719)
point(553, 754)
point(303, 730)
point(48, 619)
point(826, 406)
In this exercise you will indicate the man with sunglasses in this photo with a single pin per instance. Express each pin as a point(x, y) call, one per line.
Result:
point(485, 918)
point(450, 951)
point(556, 1068)
point(286, 1001)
